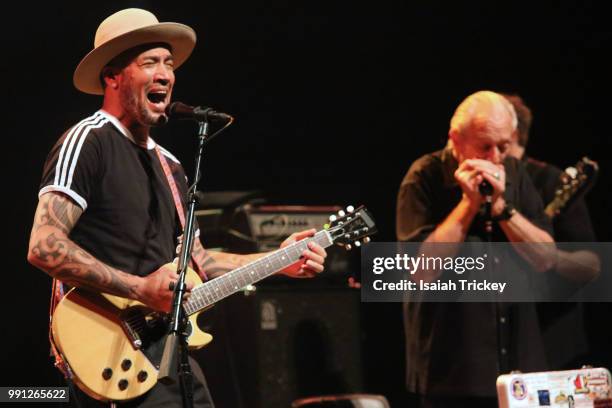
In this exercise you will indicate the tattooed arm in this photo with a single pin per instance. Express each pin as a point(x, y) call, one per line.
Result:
point(54, 252)
point(217, 263)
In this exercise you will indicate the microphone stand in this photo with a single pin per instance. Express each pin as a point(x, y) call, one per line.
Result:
point(175, 357)
point(487, 191)
point(500, 316)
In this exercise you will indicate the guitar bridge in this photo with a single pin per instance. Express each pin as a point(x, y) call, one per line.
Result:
point(132, 334)
point(132, 322)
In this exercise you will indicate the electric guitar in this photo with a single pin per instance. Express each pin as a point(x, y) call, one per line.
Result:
point(113, 345)
point(573, 183)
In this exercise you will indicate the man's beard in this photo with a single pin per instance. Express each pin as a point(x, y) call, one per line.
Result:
point(139, 112)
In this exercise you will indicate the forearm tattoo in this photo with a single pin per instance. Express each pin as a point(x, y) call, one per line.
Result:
point(52, 251)
point(217, 263)
point(214, 268)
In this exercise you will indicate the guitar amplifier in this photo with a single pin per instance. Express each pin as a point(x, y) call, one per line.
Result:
point(271, 224)
point(586, 387)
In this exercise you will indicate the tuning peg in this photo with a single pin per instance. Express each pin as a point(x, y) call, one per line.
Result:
point(348, 247)
point(350, 209)
point(332, 217)
point(341, 213)
point(357, 244)
point(366, 240)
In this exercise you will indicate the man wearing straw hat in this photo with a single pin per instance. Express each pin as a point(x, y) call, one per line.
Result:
point(107, 215)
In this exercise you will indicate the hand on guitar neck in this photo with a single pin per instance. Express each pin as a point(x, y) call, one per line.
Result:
point(312, 259)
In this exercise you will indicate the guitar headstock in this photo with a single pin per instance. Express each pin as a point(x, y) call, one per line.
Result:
point(351, 227)
point(583, 174)
point(574, 182)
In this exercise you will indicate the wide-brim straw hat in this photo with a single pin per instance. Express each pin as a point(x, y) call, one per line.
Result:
point(124, 30)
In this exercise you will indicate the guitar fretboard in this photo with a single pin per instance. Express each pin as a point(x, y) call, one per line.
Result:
point(219, 288)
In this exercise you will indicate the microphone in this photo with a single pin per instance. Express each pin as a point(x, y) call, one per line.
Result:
point(180, 110)
point(485, 188)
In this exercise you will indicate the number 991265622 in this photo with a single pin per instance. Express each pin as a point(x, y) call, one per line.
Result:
point(34, 394)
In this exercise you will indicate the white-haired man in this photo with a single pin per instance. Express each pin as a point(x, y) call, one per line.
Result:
point(110, 201)
point(456, 351)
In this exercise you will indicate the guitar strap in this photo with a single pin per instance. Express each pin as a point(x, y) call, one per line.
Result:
point(57, 292)
point(179, 207)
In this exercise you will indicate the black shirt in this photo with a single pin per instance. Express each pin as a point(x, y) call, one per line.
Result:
point(452, 348)
point(129, 219)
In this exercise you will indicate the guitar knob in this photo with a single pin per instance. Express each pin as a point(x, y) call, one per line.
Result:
point(341, 213)
point(357, 244)
point(123, 384)
point(142, 376)
point(348, 247)
point(107, 373)
point(333, 218)
point(366, 240)
point(126, 364)
point(350, 209)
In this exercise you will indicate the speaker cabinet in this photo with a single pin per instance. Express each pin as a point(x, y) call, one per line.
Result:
point(278, 344)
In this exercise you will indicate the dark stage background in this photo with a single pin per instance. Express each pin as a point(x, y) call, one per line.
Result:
point(333, 102)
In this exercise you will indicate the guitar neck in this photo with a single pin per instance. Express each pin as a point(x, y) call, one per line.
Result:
point(210, 292)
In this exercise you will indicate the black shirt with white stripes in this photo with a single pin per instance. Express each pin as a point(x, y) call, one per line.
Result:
point(129, 219)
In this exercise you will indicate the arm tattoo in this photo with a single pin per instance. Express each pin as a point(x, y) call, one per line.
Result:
point(198, 252)
point(214, 268)
point(203, 258)
point(52, 251)
point(58, 211)
point(217, 263)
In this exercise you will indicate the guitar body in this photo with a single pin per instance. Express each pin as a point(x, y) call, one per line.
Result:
point(114, 345)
